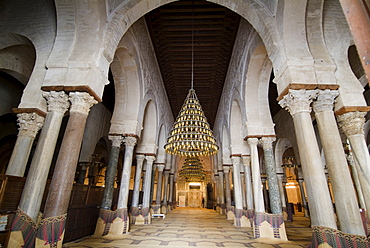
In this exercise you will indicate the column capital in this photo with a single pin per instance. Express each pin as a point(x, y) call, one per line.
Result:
point(246, 161)
point(236, 159)
point(325, 100)
point(81, 102)
point(116, 140)
point(160, 167)
point(29, 124)
point(252, 141)
point(150, 159)
point(140, 158)
point(266, 142)
point(226, 169)
point(352, 123)
point(130, 141)
point(298, 101)
point(57, 101)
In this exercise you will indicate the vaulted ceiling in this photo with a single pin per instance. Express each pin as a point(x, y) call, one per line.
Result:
point(200, 29)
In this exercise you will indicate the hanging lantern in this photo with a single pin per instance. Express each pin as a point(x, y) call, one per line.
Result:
point(192, 170)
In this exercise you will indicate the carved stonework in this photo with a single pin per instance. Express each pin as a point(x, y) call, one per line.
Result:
point(57, 101)
point(29, 124)
point(352, 123)
point(246, 161)
point(140, 159)
point(81, 102)
point(150, 159)
point(226, 169)
point(325, 100)
point(130, 141)
point(116, 140)
point(298, 101)
point(266, 142)
point(160, 167)
point(252, 141)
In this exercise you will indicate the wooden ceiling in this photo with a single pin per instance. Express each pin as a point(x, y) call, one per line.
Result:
point(207, 30)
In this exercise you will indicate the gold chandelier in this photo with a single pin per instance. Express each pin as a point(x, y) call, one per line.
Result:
point(192, 170)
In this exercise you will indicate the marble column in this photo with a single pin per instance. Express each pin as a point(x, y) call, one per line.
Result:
point(111, 171)
point(222, 192)
point(340, 179)
point(29, 124)
point(152, 182)
point(242, 184)
point(227, 192)
point(64, 173)
point(139, 166)
point(297, 102)
point(147, 188)
point(130, 143)
point(280, 178)
point(165, 190)
point(248, 183)
point(303, 196)
point(237, 184)
point(259, 205)
point(170, 195)
point(159, 184)
point(273, 184)
point(217, 191)
point(356, 180)
point(37, 176)
point(265, 193)
point(352, 124)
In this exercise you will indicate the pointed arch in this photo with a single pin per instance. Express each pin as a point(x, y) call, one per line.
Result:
point(147, 144)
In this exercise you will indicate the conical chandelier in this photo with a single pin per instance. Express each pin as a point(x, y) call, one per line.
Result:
point(192, 170)
point(191, 135)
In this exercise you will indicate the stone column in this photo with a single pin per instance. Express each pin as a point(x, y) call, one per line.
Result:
point(111, 171)
point(265, 193)
point(217, 190)
point(222, 192)
point(340, 179)
point(280, 178)
point(242, 185)
point(152, 181)
point(139, 166)
point(165, 191)
point(356, 180)
point(29, 124)
point(61, 185)
point(170, 195)
point(352, 124)
point(248, 183)
point(259, 205)
point(273, 184)
point(82, 173)
point(130, 143)
point(297, 102)
point(303, 196)
point(229, 212)
point(37, 176)
point(159, 184)
point(147, 186)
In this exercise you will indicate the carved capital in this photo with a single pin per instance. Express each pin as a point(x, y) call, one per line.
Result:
point(325, 100)
point(160, 167)
point(57, 101)
point(130, 141)
point(116, 140)
point(246, 161)
point(29, 124)
point(298, 101)
point(266, 142)
point(150, 159)
point(252, 141)
point(81, 102)
point(140, 158)
point(236, 160)
point(226, 169)
point(352, 123)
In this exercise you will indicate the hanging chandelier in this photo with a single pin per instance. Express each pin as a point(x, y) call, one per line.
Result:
point(191, 135)
point(192, 170)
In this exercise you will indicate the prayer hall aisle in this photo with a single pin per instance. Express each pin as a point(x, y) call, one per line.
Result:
point(196, 227)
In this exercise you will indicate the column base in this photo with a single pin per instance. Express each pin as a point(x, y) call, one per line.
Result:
point(164, 208)
point(112, 223)
point(241, 218)
point(222, 209)
point(269, 226)
point(328, 237)
point(156, 209)
point(23, 232)
point(50, 232)
point(169, 206)
point(230, 215)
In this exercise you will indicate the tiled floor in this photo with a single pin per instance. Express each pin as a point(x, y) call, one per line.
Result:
point(196, 227)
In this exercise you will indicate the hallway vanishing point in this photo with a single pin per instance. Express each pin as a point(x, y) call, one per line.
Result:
point(197, 227)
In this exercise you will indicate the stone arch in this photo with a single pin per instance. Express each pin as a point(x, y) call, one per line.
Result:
point(259, 119)
point(147, 144)
point(125, 72)
point(236, 127)
point(281, 146)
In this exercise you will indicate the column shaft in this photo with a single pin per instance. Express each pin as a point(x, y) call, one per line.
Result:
point(139, 167)
point(238, 199)
point(165, 187)
point(147, 181)
point(227, 187)
point(248, 182)
point(159, 184)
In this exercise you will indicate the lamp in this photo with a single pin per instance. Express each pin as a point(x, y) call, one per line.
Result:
point(191, 135)
point(192, 170)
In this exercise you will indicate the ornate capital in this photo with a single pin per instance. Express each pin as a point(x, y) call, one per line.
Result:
point(236, 160)
point(29, 124)
point(81, 102)
point(150, 159)
point(325, 100)
point(266, 142)
point(226, 169)
point(130, 141)
point(116, 140)
point(140, 158)
point(352, 123)
point(246, 161)
point(252, 141)
point(298, 101)
point(160, 167)
point(57, 101)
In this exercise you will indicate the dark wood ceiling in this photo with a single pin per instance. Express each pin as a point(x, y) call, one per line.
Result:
point(209, 31)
